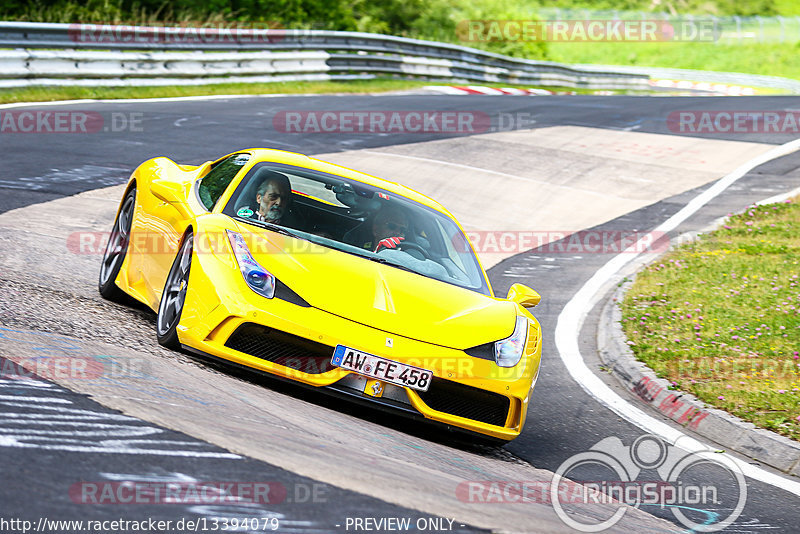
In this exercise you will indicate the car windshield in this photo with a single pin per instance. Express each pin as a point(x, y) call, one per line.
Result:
point(359, 219)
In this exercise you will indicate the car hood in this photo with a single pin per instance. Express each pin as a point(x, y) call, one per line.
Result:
point(382, 296)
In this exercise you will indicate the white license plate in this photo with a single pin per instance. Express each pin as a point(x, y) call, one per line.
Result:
point(381, 368)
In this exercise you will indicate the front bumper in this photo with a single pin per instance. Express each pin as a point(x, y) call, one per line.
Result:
point(467, 392)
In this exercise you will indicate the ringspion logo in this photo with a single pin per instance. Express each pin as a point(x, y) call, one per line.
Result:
point(684, 484)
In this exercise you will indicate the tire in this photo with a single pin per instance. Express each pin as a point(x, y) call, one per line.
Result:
point(116, 250)
point(174, 296)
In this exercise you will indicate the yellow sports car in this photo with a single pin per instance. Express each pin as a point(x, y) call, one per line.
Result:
point(329, 277)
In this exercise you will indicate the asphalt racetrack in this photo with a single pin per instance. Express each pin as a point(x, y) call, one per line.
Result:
point(549, 165)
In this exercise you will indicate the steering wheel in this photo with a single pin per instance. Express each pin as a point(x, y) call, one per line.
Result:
point(408, 245)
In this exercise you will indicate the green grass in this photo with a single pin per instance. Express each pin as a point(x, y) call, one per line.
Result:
point(45, 94)
point(710, 7)
point(772, 59)
point(378, 85)
point(720, 317)
point(438, 20)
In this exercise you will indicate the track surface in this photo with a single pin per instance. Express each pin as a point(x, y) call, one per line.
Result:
point(68, 474)
point(40, 167)
point(579, 421)
point(562, 421)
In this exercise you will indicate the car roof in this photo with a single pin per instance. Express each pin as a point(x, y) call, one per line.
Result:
point(301, 160)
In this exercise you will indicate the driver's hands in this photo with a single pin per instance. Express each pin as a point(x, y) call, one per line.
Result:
point(389, 242)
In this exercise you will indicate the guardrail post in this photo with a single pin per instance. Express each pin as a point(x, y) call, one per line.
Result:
point(738, 20)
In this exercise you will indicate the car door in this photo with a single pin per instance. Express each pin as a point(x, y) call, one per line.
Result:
point(169, 225)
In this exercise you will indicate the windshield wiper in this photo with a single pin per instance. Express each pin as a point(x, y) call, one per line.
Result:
point(393, 264)
point(275, 228)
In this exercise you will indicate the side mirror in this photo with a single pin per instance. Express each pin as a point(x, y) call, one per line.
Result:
point(203, 169)
point(524, 296)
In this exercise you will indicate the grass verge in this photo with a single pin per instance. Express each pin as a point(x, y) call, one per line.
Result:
point(47, 93)
point(377, 85)
point(770, 59)
point(720, 317)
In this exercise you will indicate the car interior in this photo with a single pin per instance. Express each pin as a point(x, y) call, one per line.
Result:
point(344, 212)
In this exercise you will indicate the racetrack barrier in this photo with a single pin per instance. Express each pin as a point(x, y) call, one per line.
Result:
point(94, 54)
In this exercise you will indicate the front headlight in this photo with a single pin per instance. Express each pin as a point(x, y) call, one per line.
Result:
point(257, 277)
point(508, 352)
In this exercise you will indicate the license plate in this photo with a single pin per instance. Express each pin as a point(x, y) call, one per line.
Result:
point(381, 368)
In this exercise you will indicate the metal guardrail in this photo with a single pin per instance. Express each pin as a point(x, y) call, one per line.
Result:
point(712, 77)
point(86, 54)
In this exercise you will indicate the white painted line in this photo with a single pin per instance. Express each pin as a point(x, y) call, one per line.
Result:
point(572, 317)
point(446, 89)
point(543, 92)
point(119, 450)
point(23, 417)
point(54, 400)
point(24, 383)
point(485, 90)
point(69, 430)
point(46, 419)
point(138, 100)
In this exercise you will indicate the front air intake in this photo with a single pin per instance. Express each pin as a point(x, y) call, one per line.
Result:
point(466, 401)
point(282, 348)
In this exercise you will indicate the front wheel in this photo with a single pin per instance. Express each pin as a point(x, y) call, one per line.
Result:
point(116, 249)
point(174, 296)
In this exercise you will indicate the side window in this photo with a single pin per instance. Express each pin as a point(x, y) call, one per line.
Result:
point(213, 184)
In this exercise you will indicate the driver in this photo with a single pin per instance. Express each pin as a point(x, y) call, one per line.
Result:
point(389, 228)
point(274, 201)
